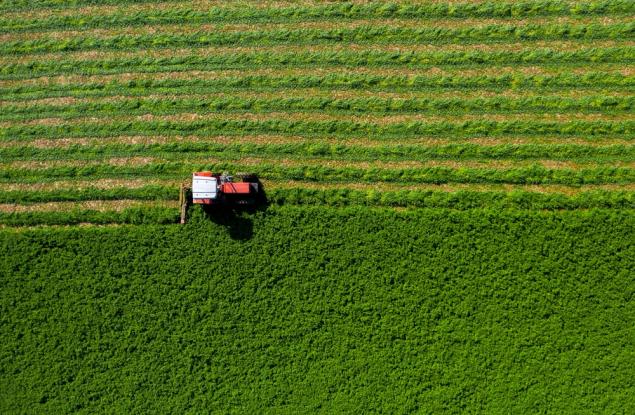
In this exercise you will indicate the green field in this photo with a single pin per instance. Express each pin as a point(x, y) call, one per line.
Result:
point(449, 220)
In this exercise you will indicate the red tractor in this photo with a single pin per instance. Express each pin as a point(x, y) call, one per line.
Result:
point(220, 190)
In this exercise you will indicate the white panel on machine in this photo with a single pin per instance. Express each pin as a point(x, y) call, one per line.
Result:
point(204, 187)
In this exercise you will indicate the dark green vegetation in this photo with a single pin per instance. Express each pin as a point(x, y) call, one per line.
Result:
point(336, 310)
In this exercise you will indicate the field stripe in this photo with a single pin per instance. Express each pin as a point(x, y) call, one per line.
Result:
point(96, 205)
point(272, 76)
point(43, 8)
point(326, 105)
point(333, 24)
point(567, 84)
point(382, 58)
point(94, 17)
point(316, 123)
point(320, 127)
point(60, 143)
point(233, 55)
point(20, 102)
point(289, 161)
point(303, 193)
point(456, 152)
point(330, 171)
point(78, 188)
point(359, 35)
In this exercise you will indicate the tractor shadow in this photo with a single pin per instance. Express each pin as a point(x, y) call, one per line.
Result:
point(237, 220)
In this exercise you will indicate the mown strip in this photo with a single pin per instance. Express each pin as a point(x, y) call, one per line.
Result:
point(181, 29)
point(463, 199)
point(164, 53)
point(366, 58)
point(135, 215)
point(208, 75)
point(534, 174)
point(341, 128)
point(351, 81)
point(191, 150)
point(374, 105)
point(340, 198)
point(152, 192)
point(593, 141)
point(183, 15)
point(360, 35)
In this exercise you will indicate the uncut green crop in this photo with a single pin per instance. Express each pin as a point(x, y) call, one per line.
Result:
point(323, 310)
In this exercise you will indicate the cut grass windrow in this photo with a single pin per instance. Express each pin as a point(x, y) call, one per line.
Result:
point(593, 141)
point(464, 199)
point(128, 215)
point(368, 58)
point(329, 82)
point(333, 24)
point(373, 105)
point(74, 185)
point(324, 129)
point(115, 205)
point(507, 33)
point(191, 150)
point(532, 174)
point(612, 69)
point(556, 46)
point(351, 11)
